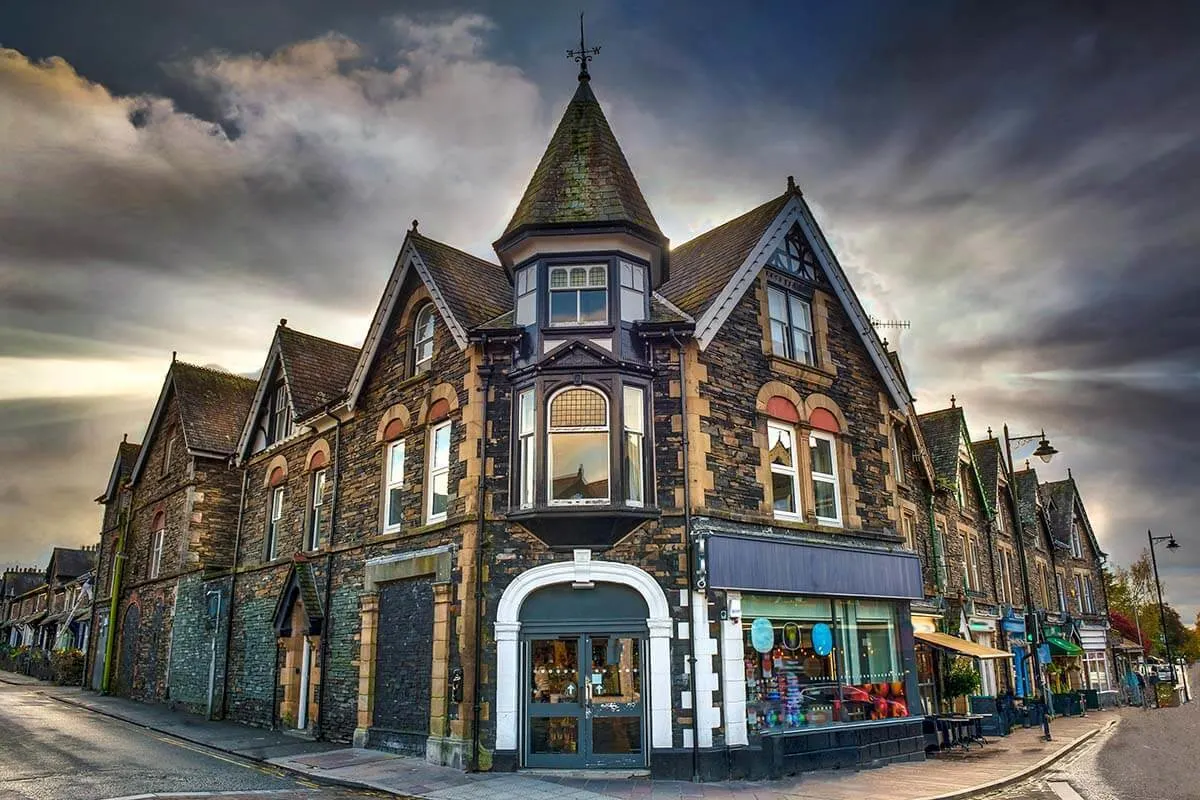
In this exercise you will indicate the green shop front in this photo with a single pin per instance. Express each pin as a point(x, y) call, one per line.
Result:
point(817, 654)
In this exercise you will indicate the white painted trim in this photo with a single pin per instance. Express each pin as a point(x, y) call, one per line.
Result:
point(508, 626)
point(733, 671)
point(673, 307)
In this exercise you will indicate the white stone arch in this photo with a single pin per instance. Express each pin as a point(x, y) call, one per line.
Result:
point(581, 570)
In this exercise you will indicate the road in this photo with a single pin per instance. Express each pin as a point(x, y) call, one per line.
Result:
point(53, 751)
point(1150, 755)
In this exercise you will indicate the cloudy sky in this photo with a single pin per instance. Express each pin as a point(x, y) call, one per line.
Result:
point(1021, 182)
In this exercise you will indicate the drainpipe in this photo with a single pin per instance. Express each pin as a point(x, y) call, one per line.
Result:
point(237, 541)
point(691, 563)
point(477, 684)
point(118, 568)
point(325, 622)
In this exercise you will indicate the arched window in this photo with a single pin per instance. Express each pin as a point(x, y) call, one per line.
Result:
point(423, 337)
point(579, 447)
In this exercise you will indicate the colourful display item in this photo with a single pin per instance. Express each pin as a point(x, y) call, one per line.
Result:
point(762, 635)
point(822, 638)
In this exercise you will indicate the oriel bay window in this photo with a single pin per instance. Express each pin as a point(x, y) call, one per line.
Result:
point(579, 295)
point(578, 445)
point(526, 448)
point(635, 432)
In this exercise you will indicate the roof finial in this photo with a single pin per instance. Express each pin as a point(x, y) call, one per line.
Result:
point(415, 224)
point(953, 400)
point(990, 435)
point(283, 322)
point(791, 183)
point(1069, 475)
point(885, 344)
point(583, 55)
point(173, 354)
point(124, 438)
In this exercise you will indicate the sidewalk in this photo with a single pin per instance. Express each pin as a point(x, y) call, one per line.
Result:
point(953, 775)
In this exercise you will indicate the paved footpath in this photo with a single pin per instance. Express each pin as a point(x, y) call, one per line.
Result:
point(954, 775)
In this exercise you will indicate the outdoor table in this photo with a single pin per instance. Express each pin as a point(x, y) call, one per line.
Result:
point(958, 730)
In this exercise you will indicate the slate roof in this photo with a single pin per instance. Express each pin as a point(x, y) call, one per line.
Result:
point(213, 406)
point(317, 369)
point(583, 176)
point(942, 431)
point(477, 291)
point(1059, 498)
point(69, 563)
point(987, 461)
point(127, 453)
point(701, 267)
point(18, 583)
point(1027, 496)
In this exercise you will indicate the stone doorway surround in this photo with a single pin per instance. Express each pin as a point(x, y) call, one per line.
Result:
point(581, 572)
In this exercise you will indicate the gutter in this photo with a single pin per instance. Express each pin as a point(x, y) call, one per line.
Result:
point(691, 562)
point(477, 684)
point(115, 594)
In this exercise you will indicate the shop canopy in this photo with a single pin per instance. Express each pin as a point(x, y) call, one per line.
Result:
point(1061, 647)
point(961, 646)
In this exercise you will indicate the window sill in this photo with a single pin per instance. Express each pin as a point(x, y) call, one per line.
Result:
point(797, 369)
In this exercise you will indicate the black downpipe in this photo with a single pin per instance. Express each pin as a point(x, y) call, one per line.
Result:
point(691, 561)
point(476, 681)
point(237, 543)
point(327, 618)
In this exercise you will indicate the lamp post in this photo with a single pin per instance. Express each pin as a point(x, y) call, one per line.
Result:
point(1045, 452)
point(1162, 611)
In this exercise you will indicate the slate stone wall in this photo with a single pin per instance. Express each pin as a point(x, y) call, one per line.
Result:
point(193, 636)
point(405, 659)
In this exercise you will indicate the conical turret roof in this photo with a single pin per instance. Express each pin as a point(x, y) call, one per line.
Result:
point(583, 177)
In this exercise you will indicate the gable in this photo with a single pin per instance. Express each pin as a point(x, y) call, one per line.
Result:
point(157, 419)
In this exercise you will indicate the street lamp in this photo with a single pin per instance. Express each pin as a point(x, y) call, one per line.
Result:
point(1045, 452)
point(1162, 612)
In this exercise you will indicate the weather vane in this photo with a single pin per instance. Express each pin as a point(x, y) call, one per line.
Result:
point(583, 55)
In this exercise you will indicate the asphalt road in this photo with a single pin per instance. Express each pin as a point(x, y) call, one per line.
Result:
point(1150, 755)
point(53, 751)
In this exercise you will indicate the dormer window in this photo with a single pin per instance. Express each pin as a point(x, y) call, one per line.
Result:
point(579, 295)
point(281, 414)
point(423, 338)
point(579, 447)
point(794, 257)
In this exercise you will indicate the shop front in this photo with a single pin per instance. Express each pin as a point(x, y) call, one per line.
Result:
point(819, 668)
point(1098, 674)
point(1015, 640)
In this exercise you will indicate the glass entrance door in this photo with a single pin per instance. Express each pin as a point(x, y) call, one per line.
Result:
point(585, 701)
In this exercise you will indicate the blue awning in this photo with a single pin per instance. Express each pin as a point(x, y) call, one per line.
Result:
point(750, 563)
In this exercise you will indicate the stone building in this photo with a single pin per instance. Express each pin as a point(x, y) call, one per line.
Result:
point(17, 587)
point(178, 543)
point(115, 501)
point(70, 574)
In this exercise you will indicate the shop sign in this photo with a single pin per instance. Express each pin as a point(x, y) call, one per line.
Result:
point(984, 625)
point(1043, 653)
point(1013, 625)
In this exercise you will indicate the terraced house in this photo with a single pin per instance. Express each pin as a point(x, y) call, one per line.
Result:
point(594, 503)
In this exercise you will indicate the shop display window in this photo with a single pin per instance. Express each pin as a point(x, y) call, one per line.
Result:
point(812, 662)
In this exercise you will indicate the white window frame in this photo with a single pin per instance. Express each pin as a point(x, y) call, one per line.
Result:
point(634, 397)
point(320, 482)
point(526, 448)
point(156, 549)
point(281, 422)
point(589, 271)
point(525, 287)
point(1001, 589)
point(897, 460)
point(1060, 583)
point(392, 482)
point(633, 291)
point(970, 573)
point(825, 477)
point(791, 327)
point(550, 433)
point(1076, 544)
point(437, 469)
point(774, 427)
point(908, 529)
point(274, 520)
point(423, 336)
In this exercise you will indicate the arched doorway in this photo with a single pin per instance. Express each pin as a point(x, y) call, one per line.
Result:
point(583, 672)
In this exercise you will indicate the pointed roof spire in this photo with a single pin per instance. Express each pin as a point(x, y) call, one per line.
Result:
point(583, 178)
point(583, 55)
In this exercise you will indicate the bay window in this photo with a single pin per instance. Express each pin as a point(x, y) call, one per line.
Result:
point(526, 288)
point(633, 292)
point(785, 483)
point(791, 325)
point(527, 448)
point(635, 432)
point(579, 295)
point(578, 443)
point(439, 472)
point(826, 501)
point(393, 514)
